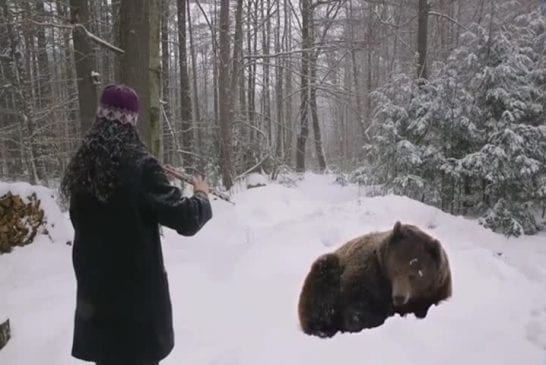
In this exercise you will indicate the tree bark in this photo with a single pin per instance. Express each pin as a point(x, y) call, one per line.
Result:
point(422, 33)
point(304, 98)
point(140, 64)
point(197, 122)
point(369, 71)
point(224, 96)
point(355, 70)
point(23, 98)
point(266, 98)
point(289, 124)
point(84, 57)
point(169, 154)
point(215, 71)
point(70, 86)
point(252, 49)
point(279, 68)
point(43, 61)
point(313, 95)
point(35, 68)
point(116, 36)
point(237, 53)
point(185, 98)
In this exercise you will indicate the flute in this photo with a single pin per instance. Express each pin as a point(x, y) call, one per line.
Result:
point(187, 178)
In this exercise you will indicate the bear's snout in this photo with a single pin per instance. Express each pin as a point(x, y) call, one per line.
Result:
point(401, 291)
point(399, 300)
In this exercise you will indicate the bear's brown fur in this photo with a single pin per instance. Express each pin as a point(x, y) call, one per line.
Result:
point(372, 277)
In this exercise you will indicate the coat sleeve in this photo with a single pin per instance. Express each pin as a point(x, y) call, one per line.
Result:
point(186, 215)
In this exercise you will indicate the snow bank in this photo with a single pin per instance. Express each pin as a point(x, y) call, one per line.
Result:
point(255, 179)
point(235, 287)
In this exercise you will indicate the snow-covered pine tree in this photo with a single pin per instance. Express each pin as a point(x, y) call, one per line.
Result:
point(472, 138)
point(509, 94)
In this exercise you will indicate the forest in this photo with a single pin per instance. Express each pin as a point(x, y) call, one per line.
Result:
point(442, 101)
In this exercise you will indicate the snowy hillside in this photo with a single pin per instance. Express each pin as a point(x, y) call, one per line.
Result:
point(235, 287)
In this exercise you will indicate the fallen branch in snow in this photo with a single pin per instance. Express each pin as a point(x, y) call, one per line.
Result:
point(188, 179)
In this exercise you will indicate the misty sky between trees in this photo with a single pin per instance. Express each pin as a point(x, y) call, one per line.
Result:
point(441, 101)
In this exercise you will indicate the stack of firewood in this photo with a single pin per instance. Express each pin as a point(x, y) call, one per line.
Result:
point(20, 221)
point(5, 333)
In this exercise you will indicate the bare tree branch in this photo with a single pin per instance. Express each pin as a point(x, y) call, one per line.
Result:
point(448, 18)
point(92, 36)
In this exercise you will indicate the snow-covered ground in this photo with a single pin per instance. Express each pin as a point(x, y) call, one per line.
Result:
point(235, 287)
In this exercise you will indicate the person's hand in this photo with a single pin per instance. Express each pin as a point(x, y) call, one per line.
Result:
point(200, 184)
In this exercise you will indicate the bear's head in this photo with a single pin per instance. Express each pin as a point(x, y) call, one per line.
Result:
point(417, 268)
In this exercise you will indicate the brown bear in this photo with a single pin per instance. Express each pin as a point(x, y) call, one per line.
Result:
point(373, 277)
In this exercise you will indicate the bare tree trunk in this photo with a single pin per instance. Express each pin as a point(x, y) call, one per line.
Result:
point(237, 52)
point(85, 65)
point(44, 91)
point(197, 122)
point(106, 32)
point(355, 71)
point(43, 61)
point(170, 154)
point(395, 55)
point(457, 29)
point(206, 97)
point(215, 71)
point(313, 97)
point(304, 103)
point(289, 135)
point(70, 85)
point(266, 98)
point(6, 145)
point(237, 87)
point(116, 36)
point(22, 98)
point(253, 133)
point(185, 98)
point(314, 113)
point(241, 71)
point(224, 96)
point(422, 33)
point(252, 45)
point(344, 132)
point(279, 63)
point(140, 64)
point(369, 71)
point(36, 67)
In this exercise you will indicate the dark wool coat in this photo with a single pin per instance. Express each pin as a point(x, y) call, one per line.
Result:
point(123, 307)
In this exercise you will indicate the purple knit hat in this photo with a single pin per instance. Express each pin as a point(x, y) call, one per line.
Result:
point(119, 103)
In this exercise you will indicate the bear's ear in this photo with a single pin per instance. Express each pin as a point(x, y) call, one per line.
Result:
point(433, 247)
point(397, 230)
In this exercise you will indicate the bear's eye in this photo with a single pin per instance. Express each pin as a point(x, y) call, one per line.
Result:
point(417, 274)
point(415, 265)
